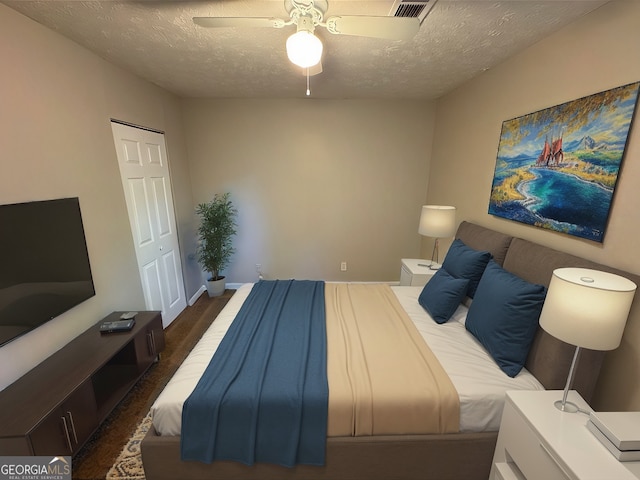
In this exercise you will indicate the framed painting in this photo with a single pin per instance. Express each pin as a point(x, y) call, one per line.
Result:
point(557, 168)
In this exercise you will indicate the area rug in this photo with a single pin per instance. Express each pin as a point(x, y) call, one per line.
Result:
point(128, 465)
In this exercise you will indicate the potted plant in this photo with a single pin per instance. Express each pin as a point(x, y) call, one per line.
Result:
point(217, 227)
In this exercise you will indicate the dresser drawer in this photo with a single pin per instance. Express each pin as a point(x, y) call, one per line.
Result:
point(507, 471)
point(523, 446)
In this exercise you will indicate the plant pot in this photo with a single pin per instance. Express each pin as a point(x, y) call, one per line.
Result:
point(215, 288)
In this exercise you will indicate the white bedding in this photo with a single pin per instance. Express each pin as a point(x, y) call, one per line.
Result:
point(479, 381)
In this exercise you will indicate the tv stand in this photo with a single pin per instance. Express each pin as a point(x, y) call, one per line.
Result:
point(56, 407)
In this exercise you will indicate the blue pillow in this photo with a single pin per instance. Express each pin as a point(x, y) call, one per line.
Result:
point(442, 294)
point(504, 316)
point(465, 262)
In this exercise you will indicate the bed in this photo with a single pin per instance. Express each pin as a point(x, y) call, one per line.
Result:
point(463, 454)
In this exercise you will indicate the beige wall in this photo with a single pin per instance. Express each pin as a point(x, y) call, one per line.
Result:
point(316, 182)
point(592, 55)
point(57, 100)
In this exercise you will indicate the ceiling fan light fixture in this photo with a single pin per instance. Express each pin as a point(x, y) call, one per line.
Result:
point(304, 49)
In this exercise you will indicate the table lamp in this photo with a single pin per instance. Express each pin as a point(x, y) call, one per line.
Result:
point(588, 309)
point(439, 222)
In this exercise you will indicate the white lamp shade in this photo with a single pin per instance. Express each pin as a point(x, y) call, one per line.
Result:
point(304, 49)
point(437, 221)
point(587, 308)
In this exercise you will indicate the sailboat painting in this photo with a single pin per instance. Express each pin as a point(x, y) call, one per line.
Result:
point(557, 168)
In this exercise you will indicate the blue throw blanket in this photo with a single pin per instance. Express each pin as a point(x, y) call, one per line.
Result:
point(264, 396)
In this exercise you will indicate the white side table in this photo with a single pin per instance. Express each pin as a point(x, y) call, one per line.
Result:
point(415, 271)
point(538, 441)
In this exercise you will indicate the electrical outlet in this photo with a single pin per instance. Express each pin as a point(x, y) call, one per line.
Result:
point(343, 266)
point(258, 267)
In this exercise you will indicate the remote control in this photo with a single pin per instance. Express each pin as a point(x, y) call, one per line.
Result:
point(128, 315)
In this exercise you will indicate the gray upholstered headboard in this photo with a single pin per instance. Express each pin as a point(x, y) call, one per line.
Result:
point(549, 358)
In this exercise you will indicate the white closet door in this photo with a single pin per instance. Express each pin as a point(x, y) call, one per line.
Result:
point(142, 158)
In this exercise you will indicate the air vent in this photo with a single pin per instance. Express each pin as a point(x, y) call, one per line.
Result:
point(412, 8)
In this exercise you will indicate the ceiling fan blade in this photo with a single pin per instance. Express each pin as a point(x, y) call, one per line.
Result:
point(392, 28)
point(215, 22)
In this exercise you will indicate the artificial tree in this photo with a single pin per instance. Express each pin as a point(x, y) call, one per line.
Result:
point(216, 231)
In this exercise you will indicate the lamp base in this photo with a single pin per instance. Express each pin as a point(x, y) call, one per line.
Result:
point(563, 405)
point(434, 256)
point(568, 407)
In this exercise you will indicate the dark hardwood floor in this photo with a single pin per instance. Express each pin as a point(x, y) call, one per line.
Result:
point(96, 458)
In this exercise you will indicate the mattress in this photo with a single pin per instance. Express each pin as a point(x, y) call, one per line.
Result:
point(478, 380)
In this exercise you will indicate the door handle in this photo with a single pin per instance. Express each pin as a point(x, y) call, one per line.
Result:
point(73, 427)
point(151, 343)
point(66, 432)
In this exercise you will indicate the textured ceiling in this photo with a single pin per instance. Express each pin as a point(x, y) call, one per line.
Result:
point(158, 41)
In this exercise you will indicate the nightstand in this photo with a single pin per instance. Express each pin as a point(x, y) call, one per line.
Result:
point(538, 441)
point(414, 272)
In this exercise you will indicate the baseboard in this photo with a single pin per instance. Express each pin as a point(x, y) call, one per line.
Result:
point(235, 286)
point(196, 295)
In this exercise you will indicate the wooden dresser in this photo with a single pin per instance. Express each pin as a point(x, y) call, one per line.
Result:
point(56, 407)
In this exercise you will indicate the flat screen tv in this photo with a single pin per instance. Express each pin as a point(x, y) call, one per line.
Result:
point(44, 264)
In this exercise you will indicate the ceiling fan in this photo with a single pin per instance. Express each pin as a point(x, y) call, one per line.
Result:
point(303, 47)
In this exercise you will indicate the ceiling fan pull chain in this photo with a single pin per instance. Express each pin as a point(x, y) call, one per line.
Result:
point(308, 90)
